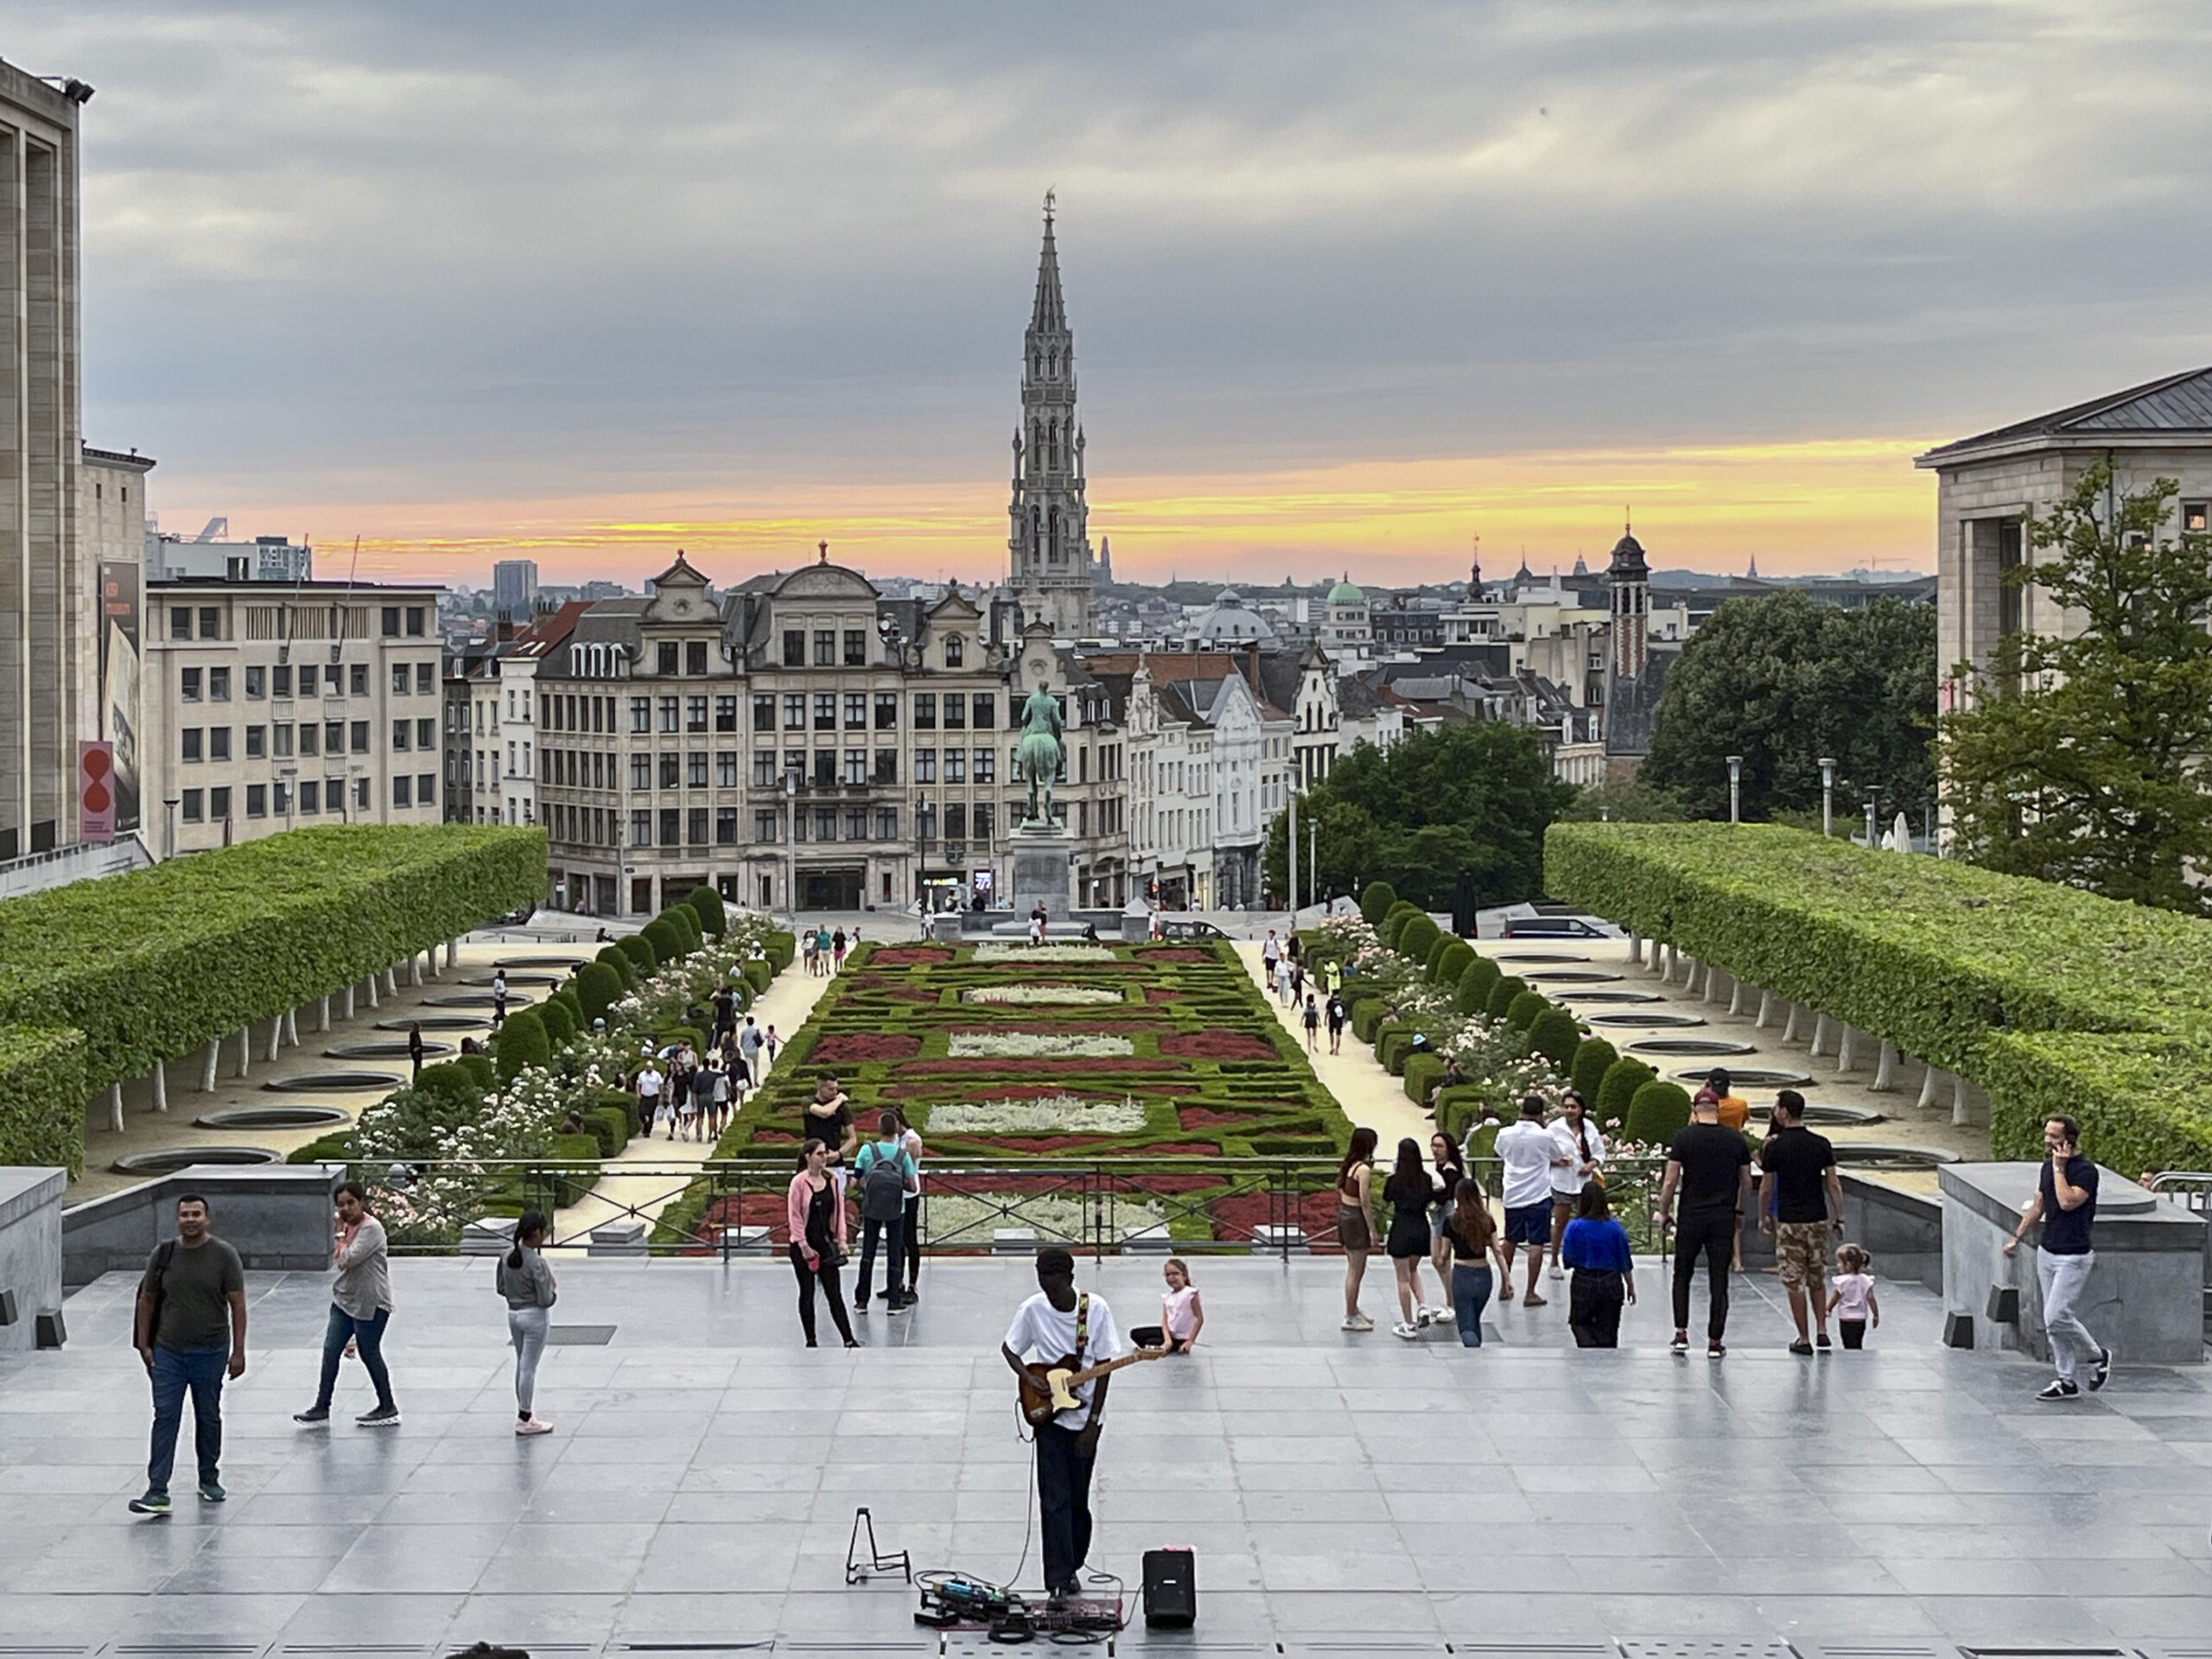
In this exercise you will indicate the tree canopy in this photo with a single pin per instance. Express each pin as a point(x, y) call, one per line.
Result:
point(1473, 799)
point(2080, 759)
point(1783, 680)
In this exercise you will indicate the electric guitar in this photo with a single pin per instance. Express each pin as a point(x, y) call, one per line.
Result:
point(1047, 1390)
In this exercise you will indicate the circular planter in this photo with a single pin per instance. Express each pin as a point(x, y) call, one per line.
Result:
point(334, 1083)
point(1817, 1113)
point(511, 963)
point(274, 1118)
point(382, 1051)
point(1690, 1045)
point(1748, 1077)
point(1874, 1154)
point(436, 1022)
point(518, 979)
point(1573, 977)
point(1647, 1021)
point(1611, 996)
point(1539, 956)
point(168, 1159)
point(476, 1000)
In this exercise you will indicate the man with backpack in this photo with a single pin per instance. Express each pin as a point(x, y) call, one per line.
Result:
point(190, 1334)
point(884, 1169)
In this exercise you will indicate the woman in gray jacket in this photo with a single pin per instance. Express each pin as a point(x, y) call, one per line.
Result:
point(527, 1283)
point(361, 1307)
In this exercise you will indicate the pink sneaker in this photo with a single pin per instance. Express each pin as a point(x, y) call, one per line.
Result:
point(532, 1426)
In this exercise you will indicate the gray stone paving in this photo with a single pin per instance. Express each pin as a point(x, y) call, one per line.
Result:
point(1343, 1493)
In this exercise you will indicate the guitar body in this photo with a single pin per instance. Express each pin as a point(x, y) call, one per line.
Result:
point(1045, 1391)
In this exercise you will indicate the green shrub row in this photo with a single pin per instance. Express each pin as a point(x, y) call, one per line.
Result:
point(43, 1086)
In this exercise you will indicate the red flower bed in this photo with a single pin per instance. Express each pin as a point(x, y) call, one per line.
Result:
point(1039, 1142)
point(908, 955)
point(854, 1047)
point(1204, 1117)
point(1236, 1217)
point(1216, 1045)
point(1173, 953)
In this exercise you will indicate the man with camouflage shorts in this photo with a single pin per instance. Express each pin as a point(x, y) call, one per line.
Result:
point(1801, 1203)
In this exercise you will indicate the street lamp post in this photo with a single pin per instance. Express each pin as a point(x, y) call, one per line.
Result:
point(169, 805)
point(1871, 807)
point(1735, 789)
point(1828, 794)
point(1290, 840)
point(1312, 856)
point(791, 848)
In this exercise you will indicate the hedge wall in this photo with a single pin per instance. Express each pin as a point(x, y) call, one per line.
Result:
point(2051, 999)
point(43, 1086)
point(153, 964)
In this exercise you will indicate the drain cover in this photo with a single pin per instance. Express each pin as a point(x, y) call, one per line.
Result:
point(579, 1336)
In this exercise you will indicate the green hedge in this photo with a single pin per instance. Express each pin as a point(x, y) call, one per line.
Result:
point(598, 988)
point(643, 959)
point(1376, 902)
point(1457, 954)
point(1458, 1109)
point(1593, 1056)
point(708, 905)
point(666, 939)
point(1422, 1071)
point(2050, 998)
point(780, 947)
point(152, 965)
point(559, 1023)
point(1659, 1111)
point(1392, 1047)
point(757, 975)
point(521, 1040)
point(1501, 995)
point(1617, 1089)
point(1472, 995)
point(44, 1087)
point(617, 962)
point(1521, 1013)
point(1418, 937)
point(1555, 1035)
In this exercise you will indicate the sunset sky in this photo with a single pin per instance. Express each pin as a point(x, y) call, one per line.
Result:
point(1351, 285)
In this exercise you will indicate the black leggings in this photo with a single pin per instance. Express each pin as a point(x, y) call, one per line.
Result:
point(1712, 1232)
point(832, 1289)
point(1594, 1298)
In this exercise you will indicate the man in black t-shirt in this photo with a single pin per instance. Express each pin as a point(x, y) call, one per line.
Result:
point(1800, 1203)
point(190, 1334)
point(1711, 1166)
point(2066, 1203)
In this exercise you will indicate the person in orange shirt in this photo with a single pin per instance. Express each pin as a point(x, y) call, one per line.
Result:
point(1735, 1111)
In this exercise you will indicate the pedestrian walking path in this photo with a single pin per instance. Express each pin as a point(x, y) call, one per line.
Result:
point(1371, 1098)
point(649, 1174)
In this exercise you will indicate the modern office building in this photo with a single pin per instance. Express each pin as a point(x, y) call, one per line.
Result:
point(514, 588)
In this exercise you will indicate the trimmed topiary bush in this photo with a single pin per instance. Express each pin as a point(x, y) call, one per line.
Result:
point(1453, 961)
point(560, 1024)
point(756, 975)
point(1422, 1071)
point(685, 921)
point(707, 903)
point(1521, 1013)
point(644, 959)
point(1501, 995)
point(668, 942)
point(1658, 1112)
point(1555, 1035)
point(1618, 1086)
point(618, 963)
point(780, 947)
point(1393, 1045)
point(598, 988)
point(1374, 904)
point(1367, 1018)
point(1418, 937)
point(1475, 982)
point(1593, 1056)
point(521, 1041)
point(1394, 923)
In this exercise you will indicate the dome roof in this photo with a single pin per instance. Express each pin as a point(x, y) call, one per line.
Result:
point(1345, 593)
point(1230, 618)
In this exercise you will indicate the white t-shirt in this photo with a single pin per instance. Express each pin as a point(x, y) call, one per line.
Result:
point(1528, 1149)
point(648, 1084)
point(1041, 1331)
point(1568, 1180)
point(1853, 1289)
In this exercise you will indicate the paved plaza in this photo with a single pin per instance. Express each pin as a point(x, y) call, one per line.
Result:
point(1343, 1493)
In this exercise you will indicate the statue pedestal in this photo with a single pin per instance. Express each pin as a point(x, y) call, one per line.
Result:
point(1041, 871)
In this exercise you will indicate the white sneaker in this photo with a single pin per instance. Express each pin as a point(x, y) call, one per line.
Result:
point(1408, 1331)
point(1358, 1322)
point(532, 1426)
point(1559, 1273)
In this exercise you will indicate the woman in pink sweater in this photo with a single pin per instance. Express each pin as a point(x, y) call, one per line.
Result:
point(816, 1211)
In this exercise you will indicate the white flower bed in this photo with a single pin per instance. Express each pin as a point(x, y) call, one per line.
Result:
point(961, 1221)
point(1043, 997)
point(1056, 1115)
point(1029, 1046)
point(1043, 953)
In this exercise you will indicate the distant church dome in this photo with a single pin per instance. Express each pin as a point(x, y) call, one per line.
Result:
point(1230, 618)
point(1345, 593)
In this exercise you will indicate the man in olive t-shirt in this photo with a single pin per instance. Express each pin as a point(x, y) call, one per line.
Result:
point(190, 1333)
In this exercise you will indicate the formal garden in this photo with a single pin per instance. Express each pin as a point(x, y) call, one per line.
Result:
point(1143, 1089)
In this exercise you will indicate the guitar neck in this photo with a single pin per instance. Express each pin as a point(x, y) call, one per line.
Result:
point(1091, 1373)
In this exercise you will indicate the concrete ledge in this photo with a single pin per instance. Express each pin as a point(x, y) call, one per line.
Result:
point(30, 1249)
point(278, 1217)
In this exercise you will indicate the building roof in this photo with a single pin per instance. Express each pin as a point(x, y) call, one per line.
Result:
point(1346, 593)
point(547, 630)
point(1628, 558)
point(1229, 620)
point(2176, 406)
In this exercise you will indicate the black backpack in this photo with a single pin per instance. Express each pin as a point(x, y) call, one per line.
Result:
point(883, 1189)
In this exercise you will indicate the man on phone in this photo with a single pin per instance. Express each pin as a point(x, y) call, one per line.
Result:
point(190, 1334)
point(2066, 1203)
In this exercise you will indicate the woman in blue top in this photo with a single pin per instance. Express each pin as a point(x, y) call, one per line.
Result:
point(1595, 1249)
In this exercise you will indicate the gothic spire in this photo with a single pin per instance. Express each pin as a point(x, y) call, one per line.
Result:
point(1049, 314)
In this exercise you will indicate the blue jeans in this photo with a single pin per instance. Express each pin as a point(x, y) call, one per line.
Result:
point(894, 1233)
point(200, 1370)
point(1470, 1288)
point(367, 1336)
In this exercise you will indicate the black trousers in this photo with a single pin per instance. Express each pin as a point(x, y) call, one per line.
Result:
point(833, 1289)
point(1594, 1301)
point(1712, 1232)
point(1063, 1506)
point(913, 1242)
point(892, 1232)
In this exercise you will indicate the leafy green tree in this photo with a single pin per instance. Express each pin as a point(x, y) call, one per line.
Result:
point(1782, 680)
point(2081, 760)
point(1625, 800)
point(1470, 800)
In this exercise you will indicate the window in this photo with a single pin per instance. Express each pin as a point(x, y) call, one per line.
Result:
point(1013, 710)
point(855, 647)
point(925, 822)
point(886, 766)
point(280, 799)
point(256, 800)
point(794, 711)
point(671, 769)
point(402, 792)
point(426, 788)
point(695, 714)
point(188, 681)
point(641, 771)
point(985, 705)
point(180, 622)
point(856, 765)
point(218, 742)
point(794, 648)
point(665, 658)
point(856, 823)
point(925, 766)
point(763, 823)
point(426, 678)
point(194, 809)
point(400, 679)
point(726, 769)
point(357, 737)
point(925, 711)
point(2196, 517)
point(725, 826)
point(426, 735)
point(825, 648)
point(856, 710)
point(391, 621)
point(361, 793)
point(256, 683)
point(956, 766)
point(986, 766)
point(641, 829)
point(825, 823)
point(307, 679)
point(954, 651)
point(641, 714)
point(668, 713)
point(956, 712)
point(694, 656)
point(887, 824)
point(695, 769)
point(400, 730)
point(311, 796)
point(725, 714)
point(256, 742)
point(825, 768)
point(825, 711)
point(982, 825)
point(282, 747)
point(694, 826)
point(764, 713)
point(764, 768)
point(795, 767)
point(191, 737)
point(415, 622)
point(357, 679)
point(280, 682)
point(798, 823)
point(671, 826)
point(956, 821)
point(219, 685)
point(211, 622)
point(886, 711)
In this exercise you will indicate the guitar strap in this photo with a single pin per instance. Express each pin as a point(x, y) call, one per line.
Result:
point(1082, 1328)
